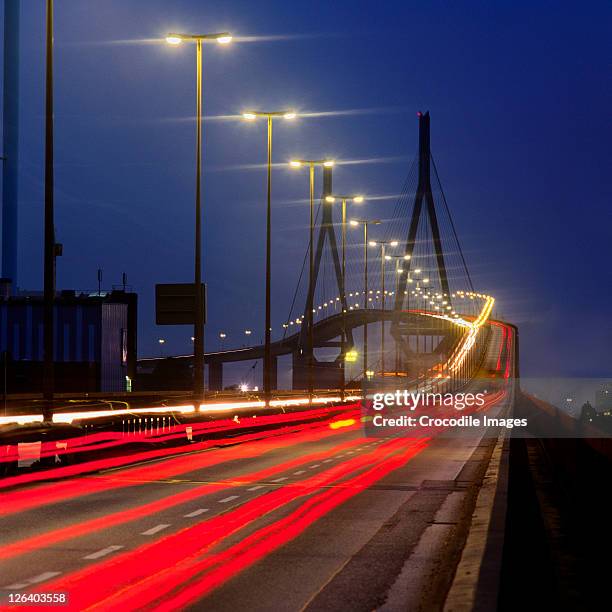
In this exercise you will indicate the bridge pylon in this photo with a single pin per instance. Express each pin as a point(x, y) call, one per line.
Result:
point(423, 199)
point(326, 373)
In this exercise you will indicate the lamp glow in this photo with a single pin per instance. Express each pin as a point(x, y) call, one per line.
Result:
point(330, 198)
point(174, 39)
point(249, 116)
point(224, 40)
point(290, 115)
point(358, 199)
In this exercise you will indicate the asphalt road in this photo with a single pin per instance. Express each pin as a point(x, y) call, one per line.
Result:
point(317, 519)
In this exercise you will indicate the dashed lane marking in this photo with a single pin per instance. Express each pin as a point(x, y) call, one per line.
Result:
point(35, 580)
point(102, 553)
point(228, 499)
point(155, 529)
point(196, 512)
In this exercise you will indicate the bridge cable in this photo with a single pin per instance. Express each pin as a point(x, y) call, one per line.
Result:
point(452, 223)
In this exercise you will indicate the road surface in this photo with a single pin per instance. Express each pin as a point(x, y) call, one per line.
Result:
point(318, 518)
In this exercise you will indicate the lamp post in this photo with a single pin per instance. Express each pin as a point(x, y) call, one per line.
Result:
point(383, 247)
point(311, 164)
point(267, 366)
point(222, 38)
point(398, 272)
point(365, 223)
point(49, 248)
point(358, 199)
point(417, 278)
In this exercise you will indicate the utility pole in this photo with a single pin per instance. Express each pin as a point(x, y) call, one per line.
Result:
point(49, 248)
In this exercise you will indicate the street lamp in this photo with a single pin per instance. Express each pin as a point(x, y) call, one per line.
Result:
point(417, 278)
point(366, 223)
point(399, 270)
point(358, 199)
point(311, 163)
point(383, 244)
point(267, 369)
point(198, 323)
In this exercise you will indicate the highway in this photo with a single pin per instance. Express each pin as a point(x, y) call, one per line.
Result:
point(312, 516)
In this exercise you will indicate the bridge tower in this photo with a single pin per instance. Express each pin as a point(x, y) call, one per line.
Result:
point(423, 199)
point(327, 374)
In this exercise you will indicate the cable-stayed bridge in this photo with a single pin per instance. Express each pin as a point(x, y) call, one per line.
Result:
point(402, 283)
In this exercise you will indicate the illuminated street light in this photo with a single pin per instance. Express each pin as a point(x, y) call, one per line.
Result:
point(251, 115)
point(223, 38)
point(311, 164)
point(398, 272)
point(383, 257)
point(331, 198)
point(198, 324)
point(366, 223)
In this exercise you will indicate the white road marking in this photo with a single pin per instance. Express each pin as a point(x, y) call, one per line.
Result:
point(279, 479)
point(102, 553)
point(316, 465)
point(228, 499)
point(256, 488)
point(155, 529)
point(42, 577)
point(327, 460)
point(196, 512)
point(16, 586)
point(299, 472)
point(35, 580)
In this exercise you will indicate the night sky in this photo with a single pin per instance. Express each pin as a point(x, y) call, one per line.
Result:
point(519, 95)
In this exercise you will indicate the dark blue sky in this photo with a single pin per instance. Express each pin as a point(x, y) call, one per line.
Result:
point(519, 94)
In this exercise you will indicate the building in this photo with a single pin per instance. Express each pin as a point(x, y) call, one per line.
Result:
point(95, 341)
point(603, 398)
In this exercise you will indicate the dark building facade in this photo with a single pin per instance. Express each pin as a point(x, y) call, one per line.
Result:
point(95, 341)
